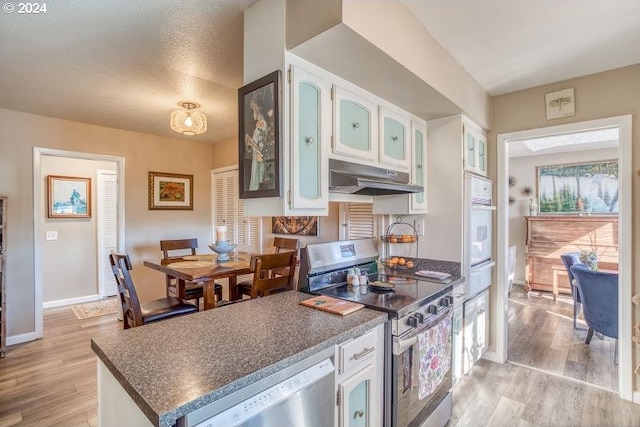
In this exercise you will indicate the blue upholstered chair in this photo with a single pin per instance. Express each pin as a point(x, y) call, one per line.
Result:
point(599, 294)
point(568, 260)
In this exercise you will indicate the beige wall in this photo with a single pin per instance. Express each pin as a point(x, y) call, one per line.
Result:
point(63, 276)
point(524, 170)
point(20, 132)
point(608, 94)
point(225, 153)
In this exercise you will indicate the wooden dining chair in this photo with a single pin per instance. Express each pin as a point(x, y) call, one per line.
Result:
point(133, 312)
point(190, 290)
point(264, 283)
point(286, 244)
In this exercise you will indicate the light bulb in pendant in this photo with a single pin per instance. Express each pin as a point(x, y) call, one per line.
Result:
point(188, 122)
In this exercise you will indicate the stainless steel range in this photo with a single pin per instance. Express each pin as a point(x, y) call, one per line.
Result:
point(418, 345)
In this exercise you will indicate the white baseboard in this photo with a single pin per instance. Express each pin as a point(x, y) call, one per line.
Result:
point(636, 397)
point(71, 301)
point(19, 339)
point(519, 282)
point(492, 356)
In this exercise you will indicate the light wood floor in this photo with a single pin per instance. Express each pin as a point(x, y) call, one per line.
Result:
point(52, 382)
point(541, 335)
point(554, 379)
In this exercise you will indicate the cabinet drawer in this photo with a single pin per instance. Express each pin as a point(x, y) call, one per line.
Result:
point(357, 351)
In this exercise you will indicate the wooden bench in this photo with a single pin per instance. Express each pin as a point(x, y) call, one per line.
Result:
point(557, 270)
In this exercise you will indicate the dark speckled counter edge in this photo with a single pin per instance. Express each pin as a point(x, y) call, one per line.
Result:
point(162, 417)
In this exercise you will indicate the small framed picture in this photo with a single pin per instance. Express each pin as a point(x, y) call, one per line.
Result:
point(259, 160)
point(69, 197)
point(169, 191)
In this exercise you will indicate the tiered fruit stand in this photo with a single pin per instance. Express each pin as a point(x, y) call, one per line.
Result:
point(400, 245)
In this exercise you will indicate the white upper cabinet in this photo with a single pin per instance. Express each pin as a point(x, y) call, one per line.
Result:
point(419, 165)
point(310, 139)
point(415, 203)
point(475, 149)
point(355, 125)
point(394, 146)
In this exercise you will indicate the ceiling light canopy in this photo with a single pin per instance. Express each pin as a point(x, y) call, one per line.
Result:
point(188, 120)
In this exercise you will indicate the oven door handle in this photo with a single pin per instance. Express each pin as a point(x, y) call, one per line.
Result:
point(483, 266)
point(483, 207)
point(401, 344)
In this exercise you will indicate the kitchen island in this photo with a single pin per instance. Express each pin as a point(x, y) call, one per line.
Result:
point(172, 368)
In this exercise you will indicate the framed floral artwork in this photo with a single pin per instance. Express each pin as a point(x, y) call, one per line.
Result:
point(169, 191)
point(69, 197)
point(259, 163)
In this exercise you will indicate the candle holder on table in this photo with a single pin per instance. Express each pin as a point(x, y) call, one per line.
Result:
point(222, 248)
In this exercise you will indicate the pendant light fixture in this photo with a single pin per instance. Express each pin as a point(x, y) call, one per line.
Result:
point(188, 120)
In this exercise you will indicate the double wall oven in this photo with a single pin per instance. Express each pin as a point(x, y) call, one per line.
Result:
point(418, 343)
point(478, 229)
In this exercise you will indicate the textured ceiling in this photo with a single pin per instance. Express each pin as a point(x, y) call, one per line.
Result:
point(509, 45)
point(127, 63)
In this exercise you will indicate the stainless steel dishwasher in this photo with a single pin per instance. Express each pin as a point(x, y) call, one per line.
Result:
point(301, 395)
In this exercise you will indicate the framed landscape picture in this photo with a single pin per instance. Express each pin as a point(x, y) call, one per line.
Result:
point(259, 163)
point(69, 197)
point(579, 188)
point(170, 191)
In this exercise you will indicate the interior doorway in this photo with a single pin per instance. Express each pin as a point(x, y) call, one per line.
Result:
point(64, 237)
point(623, 126)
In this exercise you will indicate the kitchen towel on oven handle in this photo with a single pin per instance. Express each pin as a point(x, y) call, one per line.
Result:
point(434, 356)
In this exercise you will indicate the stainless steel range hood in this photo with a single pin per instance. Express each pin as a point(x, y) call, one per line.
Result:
point(354, 178)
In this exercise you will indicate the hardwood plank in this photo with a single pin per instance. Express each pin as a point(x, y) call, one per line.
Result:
point(506, 413)
point(10, 419)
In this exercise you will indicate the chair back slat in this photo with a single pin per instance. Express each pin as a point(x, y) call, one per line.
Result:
point(131, 311)
point(285, 243)
point(264, 282)
point(180, 244)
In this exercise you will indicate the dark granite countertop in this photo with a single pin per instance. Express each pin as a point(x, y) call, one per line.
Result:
point(174, 367)
point(450, 267)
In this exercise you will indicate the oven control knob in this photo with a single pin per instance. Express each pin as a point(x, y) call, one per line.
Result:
point(412, 321)
point(444, 302)
point(420, 317)
point(449, 298)
point(432, 309)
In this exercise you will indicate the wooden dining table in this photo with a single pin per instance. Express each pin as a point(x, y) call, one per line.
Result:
point(204, 269)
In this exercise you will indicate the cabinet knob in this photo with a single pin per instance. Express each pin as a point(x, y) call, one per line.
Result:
point(356, 125)
point(419, 166)
point(358, 414)
point(394, 138)
point(309, 140)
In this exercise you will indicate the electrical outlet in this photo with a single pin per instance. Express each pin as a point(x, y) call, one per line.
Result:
point(51, 235)
point(420, 228)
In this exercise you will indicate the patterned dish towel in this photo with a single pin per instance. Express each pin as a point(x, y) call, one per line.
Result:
point(434, 351)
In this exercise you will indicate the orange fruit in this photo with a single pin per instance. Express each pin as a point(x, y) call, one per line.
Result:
point(402, 261)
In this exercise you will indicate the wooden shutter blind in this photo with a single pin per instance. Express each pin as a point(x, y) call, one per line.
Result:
point(361, 222)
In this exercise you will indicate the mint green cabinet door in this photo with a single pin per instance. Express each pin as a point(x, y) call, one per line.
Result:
point(356, 406)
point(394, 138)
point(310, 136)
point(355, 125)
point(481, 149)
point(470, 153)
point(355, 122)
point(394, 142)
